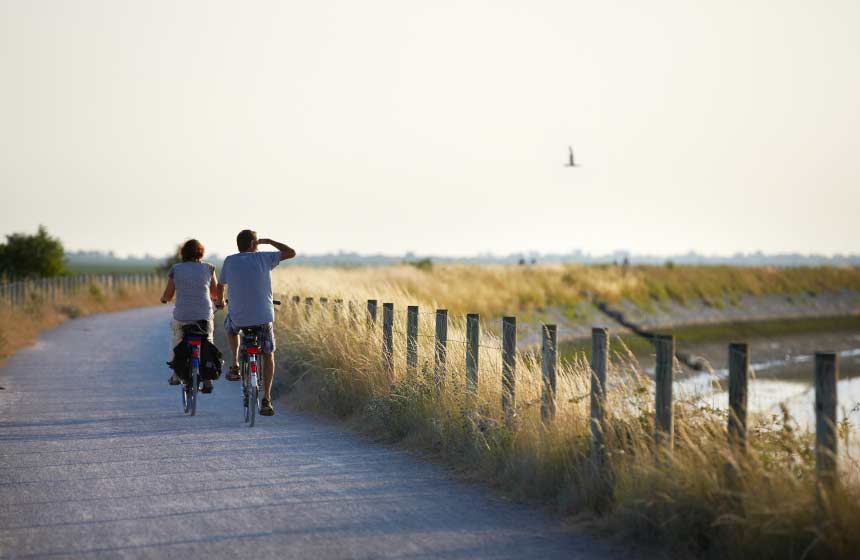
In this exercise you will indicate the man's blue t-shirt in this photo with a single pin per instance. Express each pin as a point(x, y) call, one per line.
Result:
point(248, 277)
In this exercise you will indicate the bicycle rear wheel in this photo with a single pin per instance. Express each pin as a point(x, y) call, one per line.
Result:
point(185, 400)
point(193, 393)
point(245, 392)
point(253, 403)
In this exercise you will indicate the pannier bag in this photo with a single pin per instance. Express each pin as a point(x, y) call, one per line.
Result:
point(210, 361)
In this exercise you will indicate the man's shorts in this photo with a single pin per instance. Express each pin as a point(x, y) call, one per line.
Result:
point(267, 334)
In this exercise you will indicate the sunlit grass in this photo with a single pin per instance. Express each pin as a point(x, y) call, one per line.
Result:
point(496, 290)
point(684, 504)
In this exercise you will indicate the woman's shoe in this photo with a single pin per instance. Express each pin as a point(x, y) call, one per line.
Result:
point(207, 386)
point(174, 379)
point(233, 374)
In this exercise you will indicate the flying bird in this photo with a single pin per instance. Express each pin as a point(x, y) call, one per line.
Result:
point(571, 162)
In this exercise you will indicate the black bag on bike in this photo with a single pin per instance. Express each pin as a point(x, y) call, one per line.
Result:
point(210, 361)
point(181, 364)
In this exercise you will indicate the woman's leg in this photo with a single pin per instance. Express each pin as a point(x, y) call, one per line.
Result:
point(175, 337)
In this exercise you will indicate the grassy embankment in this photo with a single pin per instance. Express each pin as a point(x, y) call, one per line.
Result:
point(20, 325)
point(725, 332)
point(494, 291)
point(684, 504)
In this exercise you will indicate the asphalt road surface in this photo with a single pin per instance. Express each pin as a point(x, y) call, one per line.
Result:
point(98, 460)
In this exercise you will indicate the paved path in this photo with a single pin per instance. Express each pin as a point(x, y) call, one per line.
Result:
point(97, 460)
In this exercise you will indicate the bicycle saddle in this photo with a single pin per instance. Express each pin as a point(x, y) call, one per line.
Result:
point(200, 328)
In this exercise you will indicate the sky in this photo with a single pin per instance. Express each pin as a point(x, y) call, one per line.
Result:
point(386, 126)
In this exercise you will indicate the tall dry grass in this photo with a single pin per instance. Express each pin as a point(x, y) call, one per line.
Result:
point(498, 289)
point(20, 325)
point(684, 504)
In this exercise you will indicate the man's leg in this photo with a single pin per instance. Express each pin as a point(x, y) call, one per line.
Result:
point(268, 375)
point(233, 342)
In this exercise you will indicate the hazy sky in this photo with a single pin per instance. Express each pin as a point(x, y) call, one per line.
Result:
point(437, 127)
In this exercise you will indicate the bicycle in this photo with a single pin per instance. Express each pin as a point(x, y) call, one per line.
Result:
point(249, 349)
point(193, 335)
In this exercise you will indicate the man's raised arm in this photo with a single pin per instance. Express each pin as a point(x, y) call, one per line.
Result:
point(286, 252)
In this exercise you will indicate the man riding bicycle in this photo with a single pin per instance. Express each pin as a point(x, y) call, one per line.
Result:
point(248, 273)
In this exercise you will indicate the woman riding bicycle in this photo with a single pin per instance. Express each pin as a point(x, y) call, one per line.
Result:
point(194, 283)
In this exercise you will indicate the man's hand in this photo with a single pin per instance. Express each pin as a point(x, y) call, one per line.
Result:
point(286, 252)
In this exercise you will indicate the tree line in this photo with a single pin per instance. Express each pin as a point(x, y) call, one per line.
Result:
point(31, 256)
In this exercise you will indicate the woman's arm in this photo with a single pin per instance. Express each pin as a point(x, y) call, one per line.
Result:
point(219, 299)
point(169, 290)
point(215, 293)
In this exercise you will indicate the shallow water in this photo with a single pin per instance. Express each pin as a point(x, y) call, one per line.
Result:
point(776, 381)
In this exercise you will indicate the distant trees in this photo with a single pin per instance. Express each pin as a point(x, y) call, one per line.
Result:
point(168, 262)
point(28, 256)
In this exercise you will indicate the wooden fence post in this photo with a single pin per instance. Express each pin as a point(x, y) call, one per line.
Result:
point(509, 368)
point(549, 365)
point(388, 337)
point(599, 359)
point(411, 339)
point(309, 305)
point(664, 377)
point(440, 347)
point(739, 366)
point(826, 440)
point(295, 312)
point(472, 343)
point(371, 314)
point(337, 310)
point(324, 303)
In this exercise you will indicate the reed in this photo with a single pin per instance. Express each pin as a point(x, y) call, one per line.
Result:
point(684, 504)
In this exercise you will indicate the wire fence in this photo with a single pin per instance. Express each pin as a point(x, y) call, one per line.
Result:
point(504, 359)
point(55, 289)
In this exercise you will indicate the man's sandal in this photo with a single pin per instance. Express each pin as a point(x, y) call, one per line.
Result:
point(266, 408)
point(233, 374)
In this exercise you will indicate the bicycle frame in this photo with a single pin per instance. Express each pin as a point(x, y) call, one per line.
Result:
point(252, 365)
point(195, 353)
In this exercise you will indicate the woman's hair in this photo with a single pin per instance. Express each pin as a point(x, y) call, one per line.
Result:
point(192, 250)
